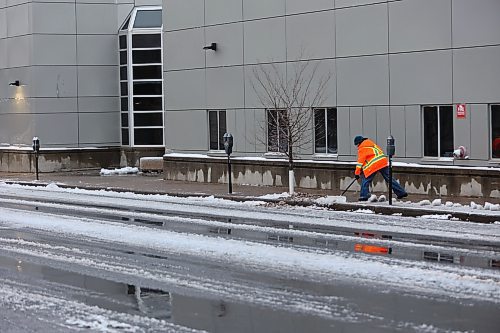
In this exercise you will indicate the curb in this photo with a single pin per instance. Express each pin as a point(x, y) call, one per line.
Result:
point(377, 209)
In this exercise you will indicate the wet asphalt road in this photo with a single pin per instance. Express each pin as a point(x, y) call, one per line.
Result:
point(64, 283)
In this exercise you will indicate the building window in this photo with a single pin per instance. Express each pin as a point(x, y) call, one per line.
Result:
point(141, 80)
point(277, 131)
point(325, 131)
point(495, 131)
point(438, 131)
point(216, 129)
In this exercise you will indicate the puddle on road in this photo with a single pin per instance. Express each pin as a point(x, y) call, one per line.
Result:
point(212, 315)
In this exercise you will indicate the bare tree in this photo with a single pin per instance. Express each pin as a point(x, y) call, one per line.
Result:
point(289, 94)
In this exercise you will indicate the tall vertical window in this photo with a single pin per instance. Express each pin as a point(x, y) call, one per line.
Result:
point(325, 131)
point(141, 80)
point(216, 128)
point(277, 131)
point(438, 131)
point(495, 131)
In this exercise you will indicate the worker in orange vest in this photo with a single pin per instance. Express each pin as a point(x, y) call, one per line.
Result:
point(371, 159)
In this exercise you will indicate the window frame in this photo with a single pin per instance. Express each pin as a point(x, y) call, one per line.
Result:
point(220, 140)
point(130, 31)
point(439, 130)
point(325, 119)
point(278, 131)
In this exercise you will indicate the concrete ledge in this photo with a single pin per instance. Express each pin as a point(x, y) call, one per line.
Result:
point(151, 164)
point(427, 180)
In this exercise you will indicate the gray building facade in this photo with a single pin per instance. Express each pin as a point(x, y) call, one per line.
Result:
point(59, 79)
point(425, 71)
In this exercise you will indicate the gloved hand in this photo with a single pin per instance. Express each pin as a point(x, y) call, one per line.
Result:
point(356, 176)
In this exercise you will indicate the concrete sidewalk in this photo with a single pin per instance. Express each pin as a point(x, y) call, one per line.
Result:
point(155, 184)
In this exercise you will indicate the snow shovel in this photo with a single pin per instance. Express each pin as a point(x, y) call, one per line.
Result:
point(348, 186)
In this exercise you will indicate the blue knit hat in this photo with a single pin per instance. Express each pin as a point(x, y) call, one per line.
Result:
point(358, 139)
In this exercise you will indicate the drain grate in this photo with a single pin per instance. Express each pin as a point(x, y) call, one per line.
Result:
point(439, 257)
point(224, 231)
point(495, 263)
point(285, 239)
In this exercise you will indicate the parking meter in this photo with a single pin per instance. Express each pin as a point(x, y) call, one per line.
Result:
point(36, 145)
point(36, 150)
point(391, 150)
point(228, 147)
point(228, 143)
point(391, 146)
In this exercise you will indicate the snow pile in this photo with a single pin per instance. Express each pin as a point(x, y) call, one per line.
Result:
point(275, 196)
point(122, 171)
point(436, 202)
point(330, 199)
point(436, 217)
point(364, 211)
point(424, 203)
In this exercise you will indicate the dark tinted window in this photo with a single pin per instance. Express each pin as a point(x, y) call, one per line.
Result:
point(495, 131)
point(125, 25)
point(124, 104)
point(277, 131)
point(147, 88)
point(125, 140)
point(148, 119)
point(146, 56)
point(148, 104)
point(147, 72)
point(331, 123)
point(146, 41)
point(123, 73)
point(148, 136)
point(124, 119)
point(124, 88)
point(319, 131)
point(148, 19)
point(123, 57)
point(123, 41)
point(446, 131)
point(430, 131)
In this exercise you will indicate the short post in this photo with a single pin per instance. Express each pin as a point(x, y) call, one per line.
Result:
point(228, 147)
point(391, 149)
point(36, 150)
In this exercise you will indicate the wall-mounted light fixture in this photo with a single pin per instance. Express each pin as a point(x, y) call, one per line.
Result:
point(15, 84)
point(212, 46)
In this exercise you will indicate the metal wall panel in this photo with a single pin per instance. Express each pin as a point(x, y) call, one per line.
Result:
point(185, 90)
point(18, 51)
point(3, 53)
point(419, 25)
point(413, 126)
point(96, 128)
point(476, 76)
point(370, 122)
point(229, 39)
point(252, 88)
point(356, 127)
point(421, 78)
point(57, 129)
point(96, 18)
point(224, 87)
point(264, 40)
point(44, 14)
point(54, 49)
point(398, 130)
point(54, 81)
point(177, 138)
point(476, 23)
point(353, 3)
point(462, 129)
point(53, 105)
point(300, 28)
point(183, 14)
point(363, 81)
point(383, 124)
point(3, 22)
point(11, 123)
point(480, 146)
point(97, 49)
point(98, 104)
point(98, 81)
point(344, 131)
point(223, 11)
point(301, 6)
point(184, 49)
point(256, 9)
point(353, 35)
point(17, 20)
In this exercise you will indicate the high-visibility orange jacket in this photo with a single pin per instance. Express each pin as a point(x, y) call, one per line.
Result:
point(371, 158)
